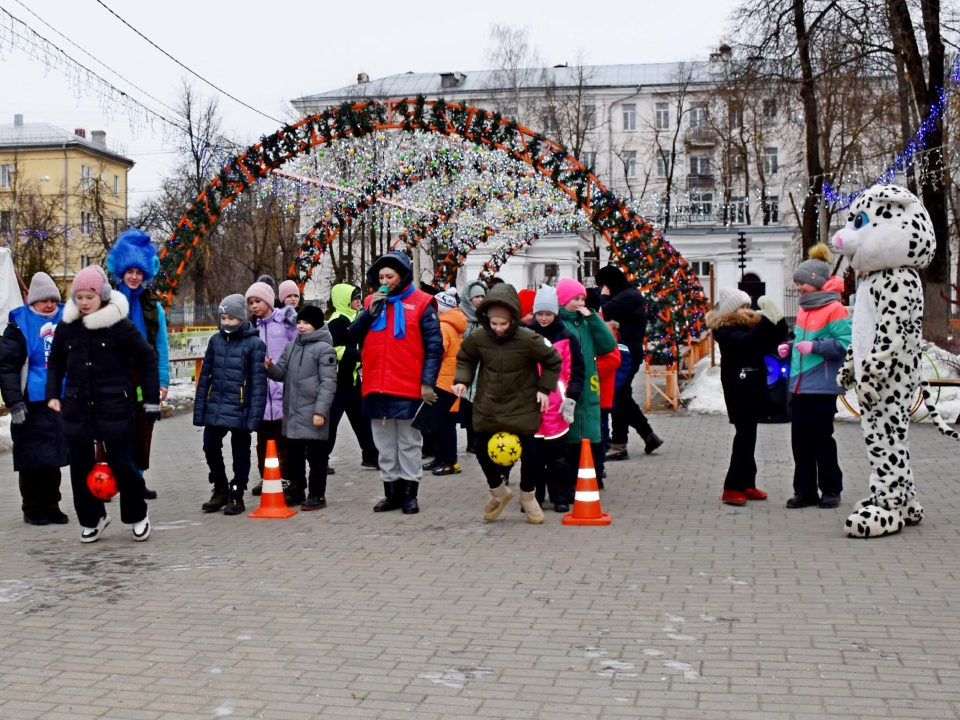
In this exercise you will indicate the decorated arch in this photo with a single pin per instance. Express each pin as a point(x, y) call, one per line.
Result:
point(661, 272)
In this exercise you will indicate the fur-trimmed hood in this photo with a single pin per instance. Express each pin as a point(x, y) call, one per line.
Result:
point(717, 320)
point(109, 314)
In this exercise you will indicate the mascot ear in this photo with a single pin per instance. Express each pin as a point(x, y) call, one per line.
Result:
point(154, 267)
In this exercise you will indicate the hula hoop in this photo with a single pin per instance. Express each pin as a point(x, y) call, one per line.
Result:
point(916, 405)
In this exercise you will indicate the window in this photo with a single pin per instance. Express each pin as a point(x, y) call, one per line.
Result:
point(662, 120)
point(769, 109)
point(630, 163)
point(548, 118)
point(589, 159)
point(509, 113)
point(630, 117)
point(736, 118)
point(737, 210)
point(701, 207)
point(85, 261)
point(771, 211)
point(116, 185)
point(6, 175)
point(698, 115)
point(589, 117)
point(6, 221)
point(663, 164)
point(770, 165)
point(86, 223)
point(737, 163)
point(700, 165)
point(86, 178)
point(591, 263)
point(701, 267)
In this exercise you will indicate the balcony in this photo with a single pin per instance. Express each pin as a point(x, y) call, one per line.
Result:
point(701, 136)
point(700, 182)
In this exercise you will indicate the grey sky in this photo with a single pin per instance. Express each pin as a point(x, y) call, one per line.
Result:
point(266, 53)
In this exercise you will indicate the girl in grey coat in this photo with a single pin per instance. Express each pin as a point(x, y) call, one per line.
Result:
point(308, 369)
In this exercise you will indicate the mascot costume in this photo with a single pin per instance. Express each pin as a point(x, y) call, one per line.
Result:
point(888, 239)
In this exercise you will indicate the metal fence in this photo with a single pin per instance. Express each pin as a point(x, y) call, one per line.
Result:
point(181, 316)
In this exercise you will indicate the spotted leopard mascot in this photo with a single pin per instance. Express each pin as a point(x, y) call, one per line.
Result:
point(888, 238)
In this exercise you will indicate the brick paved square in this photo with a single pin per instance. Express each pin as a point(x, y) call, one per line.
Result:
point(683, 608)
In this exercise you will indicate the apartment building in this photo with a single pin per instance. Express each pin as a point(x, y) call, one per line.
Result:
point(63, 196)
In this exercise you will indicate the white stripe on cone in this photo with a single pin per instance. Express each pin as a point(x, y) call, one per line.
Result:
point(276, 486)
point(581, 495)
point(587, 473)
point(271, 463)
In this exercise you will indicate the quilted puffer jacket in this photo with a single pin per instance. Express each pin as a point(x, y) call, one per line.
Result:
point(308, 371)
point(232, 391)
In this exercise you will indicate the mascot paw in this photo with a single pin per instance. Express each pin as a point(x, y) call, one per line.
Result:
point(867, 395)
point(912, 511)
point(870, 520)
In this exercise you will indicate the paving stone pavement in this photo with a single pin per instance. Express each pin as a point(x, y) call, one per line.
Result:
point(683, 608)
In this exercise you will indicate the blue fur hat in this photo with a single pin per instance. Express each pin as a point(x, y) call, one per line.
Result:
point(133, 249)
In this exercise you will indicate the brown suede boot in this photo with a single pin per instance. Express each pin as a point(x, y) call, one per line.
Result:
point(500, 496)
point(531, 508)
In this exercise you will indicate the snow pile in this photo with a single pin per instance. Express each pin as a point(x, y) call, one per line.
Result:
point(180, 395)
point(704, 394)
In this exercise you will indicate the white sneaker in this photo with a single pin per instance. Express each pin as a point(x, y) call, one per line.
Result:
point(141, 530)
point(89, 535)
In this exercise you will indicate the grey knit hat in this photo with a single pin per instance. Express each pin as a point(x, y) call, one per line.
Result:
point(816, 269)
point(546, 300)
point(234, 306)
point(731, 300)
point(42, 287)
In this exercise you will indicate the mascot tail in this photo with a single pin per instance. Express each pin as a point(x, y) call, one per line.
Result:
point(934, 414)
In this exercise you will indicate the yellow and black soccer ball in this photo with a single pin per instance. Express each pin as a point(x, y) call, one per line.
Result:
point(504, 448)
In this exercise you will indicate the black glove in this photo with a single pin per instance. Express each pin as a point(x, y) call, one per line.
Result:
point(151, 412)
point(18, 413)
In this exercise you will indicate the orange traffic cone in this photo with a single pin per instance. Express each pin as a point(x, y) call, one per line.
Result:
point(272, 504)
point(586, 502)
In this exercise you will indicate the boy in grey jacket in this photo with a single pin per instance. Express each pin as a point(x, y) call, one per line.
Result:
point(308, 369)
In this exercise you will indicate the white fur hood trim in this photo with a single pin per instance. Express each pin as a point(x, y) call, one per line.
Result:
point(108, 315)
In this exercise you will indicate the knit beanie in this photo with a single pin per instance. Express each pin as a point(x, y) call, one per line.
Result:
point(568, 289)
point(288, 288)
point(731, 300)
point(546, 300)
point(496, 310)
point(261, 291)
point(446, 300)
point(816, 269)
point(92, 279)
point(235, 306)
point(133, 249)
point(476, 290)
point(311, 314)
point(42, 287)
point(527, 298)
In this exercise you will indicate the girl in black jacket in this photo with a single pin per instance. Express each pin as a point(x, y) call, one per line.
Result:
point(94, 346)
point(745, 337)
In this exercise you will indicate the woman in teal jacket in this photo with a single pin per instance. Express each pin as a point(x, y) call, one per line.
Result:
point(595, 339)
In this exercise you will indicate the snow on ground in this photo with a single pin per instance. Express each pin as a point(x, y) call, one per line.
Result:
point(180, 394)
point(704, 394)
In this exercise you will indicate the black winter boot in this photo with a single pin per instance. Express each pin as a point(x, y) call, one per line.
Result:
point(409, 499)
point(235, 505)
point(219, 497)
point(651, 442)
point(391, 499)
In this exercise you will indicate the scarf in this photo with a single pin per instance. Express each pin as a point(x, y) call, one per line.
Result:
point(45, 315)
point(399, 316)
point(136, 309)
point(809, 301)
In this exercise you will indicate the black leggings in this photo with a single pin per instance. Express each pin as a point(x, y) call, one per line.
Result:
point(742, 473)
point(529, 464)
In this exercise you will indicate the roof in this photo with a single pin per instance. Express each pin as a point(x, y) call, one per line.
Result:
point(36, 136)
point(486, 81)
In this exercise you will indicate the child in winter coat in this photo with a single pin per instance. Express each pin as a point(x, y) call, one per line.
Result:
point(821, 338)
point(744, 337)
point(289, 294)
point(349, 398)
point(308, 370)
point(231, 395)
point(277, 327)
point(93, 348)
point(39, 446)
point(554, 474)
point(453, 323)
point(511, 393)
point(133, 263)
point(614, 370)
point(595, 339)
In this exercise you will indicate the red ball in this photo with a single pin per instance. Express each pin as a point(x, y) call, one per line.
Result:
point(102, 483)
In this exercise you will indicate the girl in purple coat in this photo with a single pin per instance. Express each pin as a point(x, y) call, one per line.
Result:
point(277, 327)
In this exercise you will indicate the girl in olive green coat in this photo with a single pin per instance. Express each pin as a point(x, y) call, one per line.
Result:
point(595, 339)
